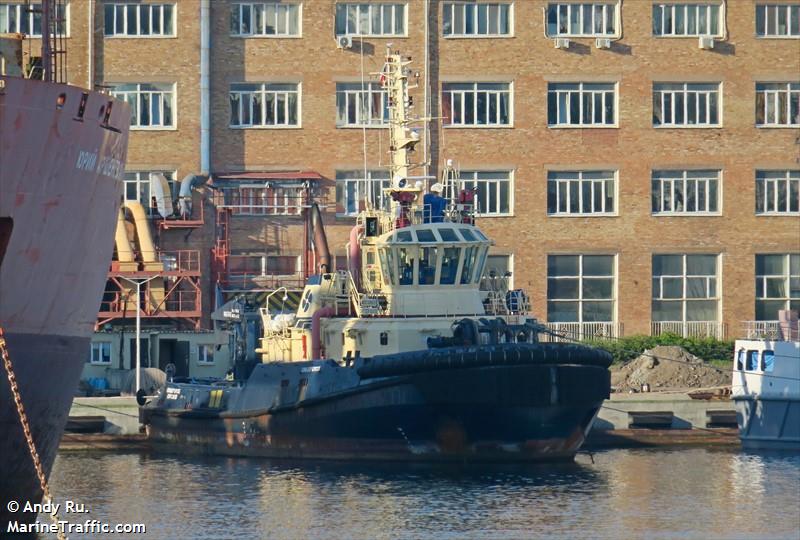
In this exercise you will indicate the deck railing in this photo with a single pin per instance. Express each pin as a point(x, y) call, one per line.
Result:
point(770, 330)
point(577, 331)
point(687, 329)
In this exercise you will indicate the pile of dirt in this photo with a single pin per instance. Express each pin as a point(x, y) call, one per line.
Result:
point(667, 368)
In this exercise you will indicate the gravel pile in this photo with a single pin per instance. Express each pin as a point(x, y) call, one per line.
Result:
point(667, 368)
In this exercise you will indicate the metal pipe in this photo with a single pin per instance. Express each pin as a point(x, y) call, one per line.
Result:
point(205, 97)
point(90, 59)
point(320, 240)
point(316, 330)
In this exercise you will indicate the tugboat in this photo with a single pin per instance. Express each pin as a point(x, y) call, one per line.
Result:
point(402, 356)
point(766, 387)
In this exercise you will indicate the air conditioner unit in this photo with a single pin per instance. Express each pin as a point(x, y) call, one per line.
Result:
point(602, 43)
point(344, 42)
point(561, 43)
point(706, 42)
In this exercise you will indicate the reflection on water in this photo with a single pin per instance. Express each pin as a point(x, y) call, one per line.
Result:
point(622, 494)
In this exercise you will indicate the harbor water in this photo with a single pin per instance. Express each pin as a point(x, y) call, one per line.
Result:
point(682, 493)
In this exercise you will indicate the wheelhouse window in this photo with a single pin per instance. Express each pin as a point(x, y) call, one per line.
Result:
point(778, 20)
point(476, 19)
point(581, 193)
point(359, 106)
point(581, 104)
point(137, 186)
point(777, 192)
point(777, 284)
point(494, 191)
point(685, 288)
point(151, 105)
point(26, 18)
point(686, 104)
point(139, 20)
point(353, 190)
point(580, 288)
point(100, 353)
point(375, 19)
point(680, 20)
point(265, 105)
point(581, 20)
point(205, 354)
point(778, 104)
point(476, 104)
point(685, 192)
point(269, 19)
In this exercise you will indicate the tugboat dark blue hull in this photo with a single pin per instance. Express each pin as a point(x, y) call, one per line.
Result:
point(506, 413)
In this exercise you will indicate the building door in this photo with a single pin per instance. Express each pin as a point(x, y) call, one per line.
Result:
point(144, 343)
point(166, 353)
point(181, 358)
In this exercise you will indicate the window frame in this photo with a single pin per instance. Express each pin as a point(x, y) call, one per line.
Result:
point(684, 177)
point(495, 183)
point(766, 6)
point(143, 180)
point(276, 5)
point(32, 17)
point(791, 180)
point(615, 19)
point(557, 88)
point(786, 276)
point(447, 122)
point(123, 6)
point(579, 179)
point(370, 88)
point(687, 6)
point(375, 176)
point(684, 299)
point(371, 18)
point(97, 349)
point(582, 276)
point(263, 91)
point(139, 91)
point(203, 352)
point(688, 88)
point(792, 90)
point(451, 5)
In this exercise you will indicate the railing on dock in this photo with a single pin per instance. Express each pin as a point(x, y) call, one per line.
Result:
point(577, 331)
point(713, 329)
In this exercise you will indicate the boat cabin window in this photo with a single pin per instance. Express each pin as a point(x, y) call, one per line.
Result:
point(427, 265)
point(425, 235)
point(767, 361)
point(450, 257)
point(470, 254)
point(404, 236)
point(740, 360)
point(406, 263)
point(752, 361)
point(467, 234)
point(388, 265)
point(448, 235)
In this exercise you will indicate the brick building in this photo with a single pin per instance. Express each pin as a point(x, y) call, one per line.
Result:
point(637, 163)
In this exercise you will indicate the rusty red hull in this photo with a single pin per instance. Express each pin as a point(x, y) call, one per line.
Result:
point(62, 157)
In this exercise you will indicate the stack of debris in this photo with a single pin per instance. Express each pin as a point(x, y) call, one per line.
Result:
point(667, 368)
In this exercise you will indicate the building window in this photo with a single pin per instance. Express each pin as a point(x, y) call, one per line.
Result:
point(581, 104)
point(137, 186)
point(139, 20)
point(265, 105)
point(685, 192)
point(265, 19)
point(581, 20)
point(353, 190)
point(494, 191)
point(777, 284)
point(476, 104)
point(376, 19)
point(151, 104)
point(778, 20)
point(778, 104)
point(685, 288)
point(686, 104)
point(100, 352)
point(23, 18)
point(572, 193)
point(470, 19)
point(777, 192)
point(205, 354)
point(265, 199)
point(580, 288)
point(686, 20)
point(358, 106)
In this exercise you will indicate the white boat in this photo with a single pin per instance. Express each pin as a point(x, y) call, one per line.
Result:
point(766, 389)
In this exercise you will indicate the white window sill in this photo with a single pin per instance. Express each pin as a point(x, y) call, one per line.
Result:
point(266, 36)
point(687, 36)
point(155, 128)
point(367, 126)
point(777, 214)
point(583, 126)
point(582, 36)
point(478, 36)
point(357, 37)
point(100, 363)
point(686, 214)
point(688, 126)
point(265, 127)
point(118, 36)
point(585, 215)
point(777, 126)
point(776, 37)
point(205, 363)
point(478, 126)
